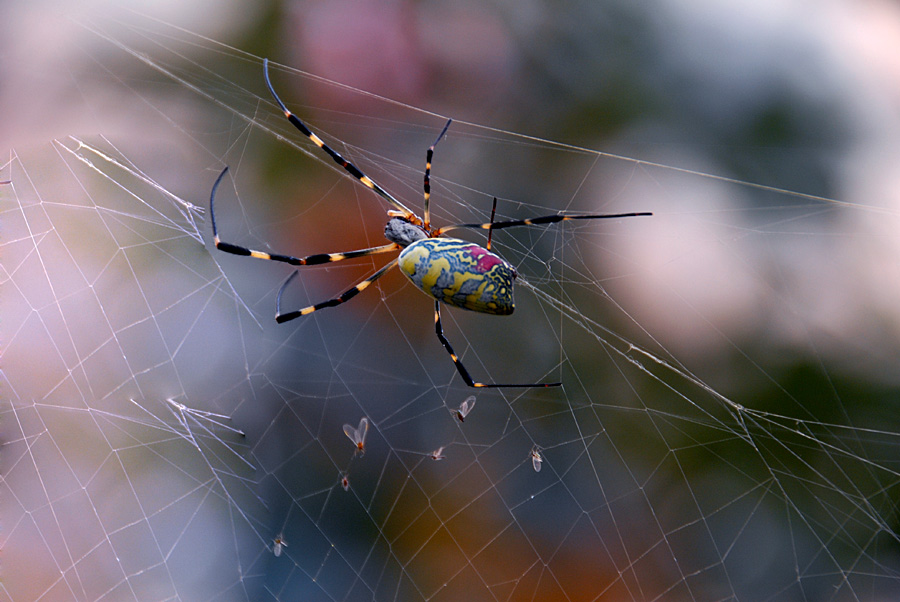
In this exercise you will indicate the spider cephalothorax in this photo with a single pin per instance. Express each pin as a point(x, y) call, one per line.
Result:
point(399, 230)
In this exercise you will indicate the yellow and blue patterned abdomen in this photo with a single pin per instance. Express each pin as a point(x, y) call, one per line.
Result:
point(461, 274)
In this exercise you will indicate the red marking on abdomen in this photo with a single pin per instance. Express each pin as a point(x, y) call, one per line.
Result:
point(484, 259)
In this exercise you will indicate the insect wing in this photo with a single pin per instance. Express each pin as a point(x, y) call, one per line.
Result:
point(361, 431)
point(358, 435)
point(536, 460)
point(465, 407)
point(279, 543)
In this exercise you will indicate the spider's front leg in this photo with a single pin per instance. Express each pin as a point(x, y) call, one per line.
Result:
point(316, 259)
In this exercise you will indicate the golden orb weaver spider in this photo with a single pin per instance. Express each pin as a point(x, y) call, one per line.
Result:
point(448, 270)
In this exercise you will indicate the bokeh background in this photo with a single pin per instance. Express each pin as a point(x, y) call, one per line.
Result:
point(728, 427)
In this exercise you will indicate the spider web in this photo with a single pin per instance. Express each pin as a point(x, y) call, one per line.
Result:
point(726, 429)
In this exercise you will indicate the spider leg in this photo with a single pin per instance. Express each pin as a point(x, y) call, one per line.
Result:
point(426, 220)
point(350, 168)
point(343, 297)
point(308, 260)
point(536, 221)
point(462, 369)
point(491, 230)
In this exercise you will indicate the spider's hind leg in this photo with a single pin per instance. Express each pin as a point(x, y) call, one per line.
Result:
point(342, 298)
point(462, 369)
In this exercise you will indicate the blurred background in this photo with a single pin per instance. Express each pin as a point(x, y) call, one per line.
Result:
point(728, 424)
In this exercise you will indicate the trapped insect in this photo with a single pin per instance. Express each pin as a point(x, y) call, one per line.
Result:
point(277, 544)
point(536, 458)
point(465, 407)
point(438, 454)
point(345, 482)
point(448, 270)
point(358, 435)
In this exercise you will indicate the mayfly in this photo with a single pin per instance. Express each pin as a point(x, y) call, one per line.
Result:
point(536, 458)
point(465, 407)
point(278, 544)
point(358, 435)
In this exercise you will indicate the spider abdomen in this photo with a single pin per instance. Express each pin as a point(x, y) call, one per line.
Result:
point(461, 274)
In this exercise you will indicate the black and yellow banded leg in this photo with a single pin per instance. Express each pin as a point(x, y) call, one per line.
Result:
point(491, 230)
point(426, 219)
point(342, 298)
point(316, 259)
point(350, 168)
point(462, 369)
point(538, 221)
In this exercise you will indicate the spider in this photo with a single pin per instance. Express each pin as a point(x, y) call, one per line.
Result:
point(448, 270)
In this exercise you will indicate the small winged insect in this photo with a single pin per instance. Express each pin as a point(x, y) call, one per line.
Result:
point(465, 407)
point(536, 458)
point(358, 435)
point(438, 454)
point(278, 544)
point(345, 482)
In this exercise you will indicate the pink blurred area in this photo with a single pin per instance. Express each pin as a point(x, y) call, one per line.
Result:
point(437, 56)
